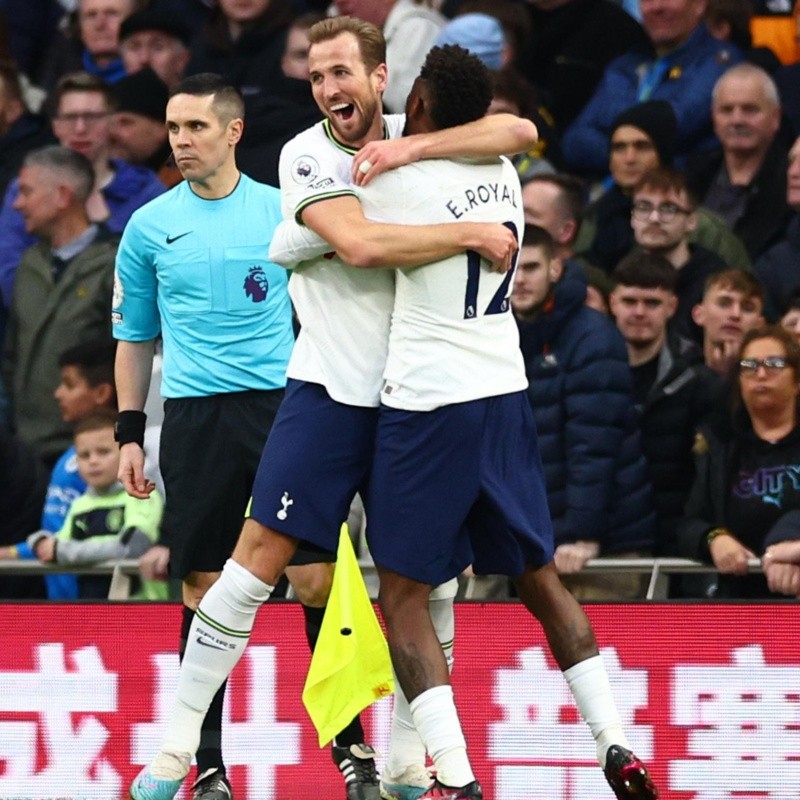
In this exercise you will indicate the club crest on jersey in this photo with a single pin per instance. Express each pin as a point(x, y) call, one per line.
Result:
point(305, 169)
point(256, 284)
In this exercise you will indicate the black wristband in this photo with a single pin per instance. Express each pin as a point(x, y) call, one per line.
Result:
point(130, 427)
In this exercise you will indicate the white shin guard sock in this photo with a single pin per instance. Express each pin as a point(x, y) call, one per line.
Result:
point(436, 719)
point(217, 638)
point(588, 682)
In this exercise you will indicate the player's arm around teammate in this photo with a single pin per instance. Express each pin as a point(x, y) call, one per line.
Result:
point(493, 135)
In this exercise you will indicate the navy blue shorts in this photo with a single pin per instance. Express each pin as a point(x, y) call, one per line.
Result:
point(459, 485)
point(317, 456)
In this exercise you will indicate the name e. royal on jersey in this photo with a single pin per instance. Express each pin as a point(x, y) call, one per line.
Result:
point(480, 195)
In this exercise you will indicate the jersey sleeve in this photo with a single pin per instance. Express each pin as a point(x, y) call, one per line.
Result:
point(293, 243)
point(310, 173)
point(134, 308)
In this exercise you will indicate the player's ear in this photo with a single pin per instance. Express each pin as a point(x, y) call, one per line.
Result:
point(380, 75)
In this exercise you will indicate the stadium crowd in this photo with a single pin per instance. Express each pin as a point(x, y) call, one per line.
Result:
point(657, 294)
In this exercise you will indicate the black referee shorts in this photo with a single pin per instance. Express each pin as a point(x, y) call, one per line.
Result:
point(209, 454)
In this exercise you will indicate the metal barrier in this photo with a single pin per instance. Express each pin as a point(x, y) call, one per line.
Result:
point(659, 570)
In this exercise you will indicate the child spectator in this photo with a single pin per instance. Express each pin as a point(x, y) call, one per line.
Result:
point(104, 522)
point(86, 384)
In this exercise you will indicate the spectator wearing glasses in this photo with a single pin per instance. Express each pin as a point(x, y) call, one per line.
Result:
point(744, 498)
point(82, 113)
point(663, 217)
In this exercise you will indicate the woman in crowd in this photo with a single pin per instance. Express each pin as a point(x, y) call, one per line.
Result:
point(746, 494)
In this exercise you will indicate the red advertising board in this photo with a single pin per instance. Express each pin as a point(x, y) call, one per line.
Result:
point(709, 694)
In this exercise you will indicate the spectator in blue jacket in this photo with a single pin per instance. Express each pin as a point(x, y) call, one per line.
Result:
point(82, 110)
point(685, 63)
point(580, 390)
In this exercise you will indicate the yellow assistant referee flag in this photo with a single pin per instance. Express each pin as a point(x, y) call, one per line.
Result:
point(350, 667)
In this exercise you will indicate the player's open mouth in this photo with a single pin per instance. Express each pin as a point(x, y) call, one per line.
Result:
point(343, 110)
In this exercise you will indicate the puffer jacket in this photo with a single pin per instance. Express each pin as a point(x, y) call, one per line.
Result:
point(580, 390)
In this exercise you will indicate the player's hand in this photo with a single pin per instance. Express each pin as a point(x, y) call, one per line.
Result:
point(154, 564)
point(781, 577)
point(498, 246)
point(572, 557)
point(131, 471)
point(377, 157)
point(723, 356)
point(46, 549)
point(729, 555)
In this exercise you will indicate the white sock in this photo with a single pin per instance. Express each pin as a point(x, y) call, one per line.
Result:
point(588, 682)
point(217, 638)
point(405, 747)
point(436, 719)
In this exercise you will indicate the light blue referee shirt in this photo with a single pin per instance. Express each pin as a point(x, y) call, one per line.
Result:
point(197, 272)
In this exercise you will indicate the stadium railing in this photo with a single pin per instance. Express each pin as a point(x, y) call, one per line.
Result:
point(659, 570)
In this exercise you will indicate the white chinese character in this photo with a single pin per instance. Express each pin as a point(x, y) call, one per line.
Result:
point(261, 742)
point(744, 722)
point(73, 765)
point(542, 729)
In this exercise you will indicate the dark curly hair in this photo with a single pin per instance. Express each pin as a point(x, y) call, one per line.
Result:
point(459, 83)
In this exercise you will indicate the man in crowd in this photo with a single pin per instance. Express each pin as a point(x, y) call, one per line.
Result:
point(674, 392)
point(682, 70)
point(151, 38)
point(138, 134)
point(732, 305)
point(60, 295)
point(745, 182)
point(95, 49)
point(663, 216)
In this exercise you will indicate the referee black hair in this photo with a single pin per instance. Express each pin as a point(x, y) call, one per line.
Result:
point(460, 86)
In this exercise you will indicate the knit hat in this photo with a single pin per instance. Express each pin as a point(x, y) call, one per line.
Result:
point(142, 93)
point(657, 119)
point(150, 19)
point(481, 34)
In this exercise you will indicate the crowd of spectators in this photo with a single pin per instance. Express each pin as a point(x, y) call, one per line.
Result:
point(662, 209)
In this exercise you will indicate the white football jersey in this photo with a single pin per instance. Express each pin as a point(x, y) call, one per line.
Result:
point(453, 337)
point(344, 313)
